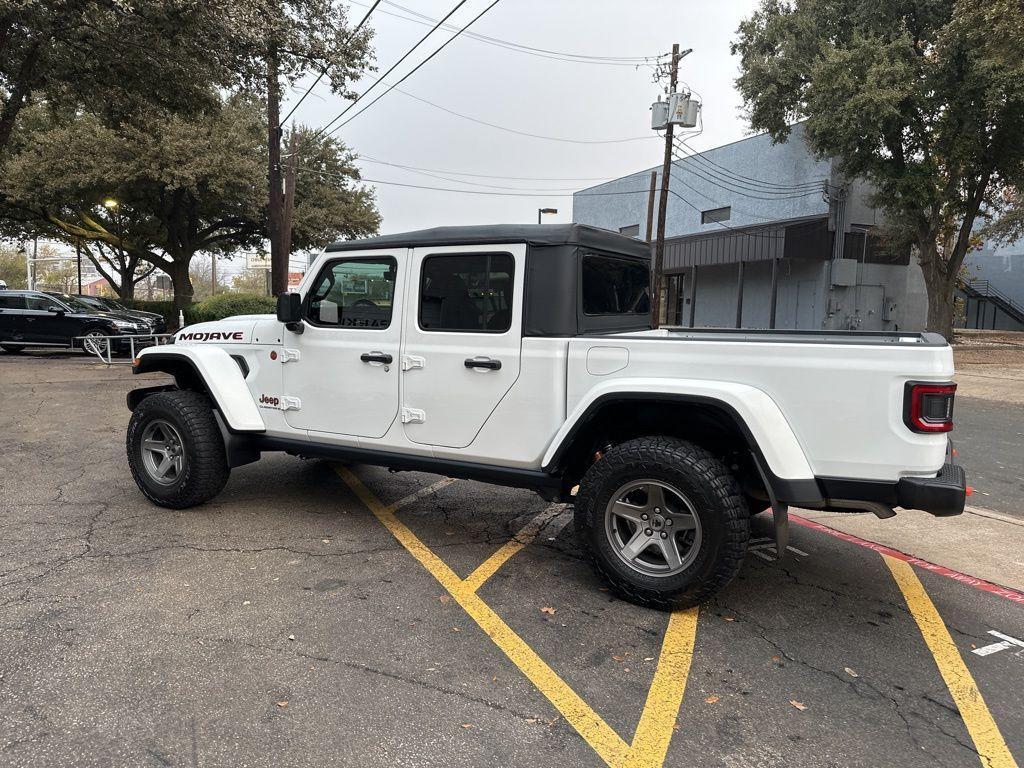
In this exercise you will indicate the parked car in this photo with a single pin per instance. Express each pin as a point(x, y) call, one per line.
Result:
point(524, 356)
point(156, 321)
point(40, 319)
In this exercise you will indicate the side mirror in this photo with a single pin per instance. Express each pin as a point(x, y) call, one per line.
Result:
point(289, 311)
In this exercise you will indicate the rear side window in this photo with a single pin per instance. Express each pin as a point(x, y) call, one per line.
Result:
point(467, 292)
point(354, 293)
point(615, 286)
point(11, 302)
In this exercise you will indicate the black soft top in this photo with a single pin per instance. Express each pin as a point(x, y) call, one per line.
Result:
point(539, 235)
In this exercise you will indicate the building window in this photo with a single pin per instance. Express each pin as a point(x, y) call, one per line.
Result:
point(716, 215)
point(633, 230)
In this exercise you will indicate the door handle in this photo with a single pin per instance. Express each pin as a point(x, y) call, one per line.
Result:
point(376, 357)
point(483, 362)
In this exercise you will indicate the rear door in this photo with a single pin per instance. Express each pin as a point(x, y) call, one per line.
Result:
point(345, 380)
point(463, 335)
point(12, 307)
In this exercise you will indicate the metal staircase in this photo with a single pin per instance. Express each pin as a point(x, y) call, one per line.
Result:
point(983, 290)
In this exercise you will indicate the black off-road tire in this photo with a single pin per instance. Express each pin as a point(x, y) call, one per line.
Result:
point(205, 468)
point(717, 500)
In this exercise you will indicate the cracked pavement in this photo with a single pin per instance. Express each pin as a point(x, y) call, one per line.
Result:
point(283, 625)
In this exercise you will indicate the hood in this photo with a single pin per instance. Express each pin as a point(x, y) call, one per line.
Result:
point(230, 330)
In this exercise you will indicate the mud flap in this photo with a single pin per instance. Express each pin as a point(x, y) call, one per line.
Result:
point(780, 513)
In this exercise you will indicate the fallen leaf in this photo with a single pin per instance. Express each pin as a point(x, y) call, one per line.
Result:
point(618, 658)
point(776, 659)
point(648, 658)
point(799, 705)
point(729, 618)
point(444, 599)
point(467, 725)
point(602, 589)
point(711, 699)
point(282, 704)
point(456, 629)
point(625, 669)
point(533, 720)
point(291, 637)
point(850, 672)
point(548, 610)
point(326, 541)
point(246, 602)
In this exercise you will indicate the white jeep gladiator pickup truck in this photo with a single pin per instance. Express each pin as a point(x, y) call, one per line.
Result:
point(524, 356)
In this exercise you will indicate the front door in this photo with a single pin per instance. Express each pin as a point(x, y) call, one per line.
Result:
point(345, 380)
point(47, 321)
point(463, 332)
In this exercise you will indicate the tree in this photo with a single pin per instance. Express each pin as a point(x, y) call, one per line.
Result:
point(183, 185)
point(117, 57)
point(923, 99)
point(12, 267)
point(250, 281)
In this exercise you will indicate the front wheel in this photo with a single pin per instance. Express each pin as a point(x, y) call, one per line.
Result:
point(664, 522)
point(175, 449)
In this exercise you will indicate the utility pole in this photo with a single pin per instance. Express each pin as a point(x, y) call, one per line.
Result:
point(666, 169)
point(289, 173)
point(78, 255)
point(213, 273)
point(650, 205)
point(275, 201)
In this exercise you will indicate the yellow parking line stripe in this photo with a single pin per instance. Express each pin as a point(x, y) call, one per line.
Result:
point(976, 716)
point(526, 535)
point(654, 732)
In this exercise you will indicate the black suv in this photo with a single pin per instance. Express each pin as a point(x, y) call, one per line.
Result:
point(156, 322)
point(38, 319)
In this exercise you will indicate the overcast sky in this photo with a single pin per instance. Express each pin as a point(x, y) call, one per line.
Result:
point(531, 94)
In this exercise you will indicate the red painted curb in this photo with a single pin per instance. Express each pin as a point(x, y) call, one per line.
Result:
point(985, 586)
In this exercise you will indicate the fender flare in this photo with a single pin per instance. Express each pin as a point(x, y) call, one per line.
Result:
point(216, 371)
point(771, 440)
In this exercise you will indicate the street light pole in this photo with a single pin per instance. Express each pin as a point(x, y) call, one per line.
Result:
point(542, 211)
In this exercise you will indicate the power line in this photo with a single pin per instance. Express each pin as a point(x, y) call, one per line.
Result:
point(762, 194)
point(320, 77)
point(414, 69)
point(739, 176)
point(625, 61)
point(366, 158)
point(390, 69)
point(520, 133)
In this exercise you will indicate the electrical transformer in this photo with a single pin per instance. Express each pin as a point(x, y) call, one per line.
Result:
point(683, 110)
point(659, 115)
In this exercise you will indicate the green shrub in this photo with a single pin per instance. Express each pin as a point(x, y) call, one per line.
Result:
point(228, 304)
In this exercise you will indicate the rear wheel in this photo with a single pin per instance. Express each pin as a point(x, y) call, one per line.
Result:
point(663, 521)
point(175, 449)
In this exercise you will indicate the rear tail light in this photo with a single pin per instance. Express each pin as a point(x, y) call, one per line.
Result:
point(927, 407)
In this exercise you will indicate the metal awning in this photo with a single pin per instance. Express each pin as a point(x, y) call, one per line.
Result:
point(804, 238)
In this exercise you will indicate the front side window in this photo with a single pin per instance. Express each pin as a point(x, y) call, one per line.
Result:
point(43, 303)
point(467, 292)
point(354, 293)
point(613, 286)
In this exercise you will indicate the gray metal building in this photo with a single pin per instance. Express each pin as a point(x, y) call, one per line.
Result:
point(992, 294)
point(751, 241)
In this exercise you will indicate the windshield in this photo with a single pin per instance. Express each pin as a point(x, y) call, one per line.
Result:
point(74, 302)
point(111, 304)
point(92, 303)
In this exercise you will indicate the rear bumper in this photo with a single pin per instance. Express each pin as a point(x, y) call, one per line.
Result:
point(942, 495)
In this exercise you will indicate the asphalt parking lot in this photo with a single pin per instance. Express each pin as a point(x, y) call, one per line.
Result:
point(322, 615)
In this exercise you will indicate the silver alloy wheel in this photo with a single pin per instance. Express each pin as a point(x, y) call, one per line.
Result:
point(95, 343)
point(162, 452)
point(652, 527)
